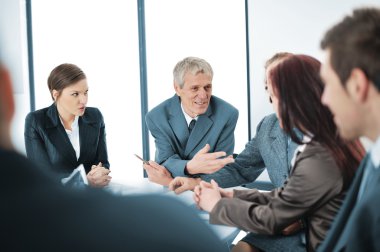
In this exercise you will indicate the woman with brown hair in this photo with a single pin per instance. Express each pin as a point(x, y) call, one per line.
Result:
point(67, 134)
point(322, 167)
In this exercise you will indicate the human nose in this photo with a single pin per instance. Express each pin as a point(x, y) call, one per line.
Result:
point(83, 99)
point(202, 93)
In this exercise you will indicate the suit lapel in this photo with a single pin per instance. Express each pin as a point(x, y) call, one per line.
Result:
point(342, 224)
point(87, 133)
point(177, 121)
point(58, 135)
point(357, 180)
point(201, 128)
point(291, 149)
point(279, 144)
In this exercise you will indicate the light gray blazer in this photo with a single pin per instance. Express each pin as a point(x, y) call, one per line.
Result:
point(175, 147)
point(268, 149)
point(313, 192)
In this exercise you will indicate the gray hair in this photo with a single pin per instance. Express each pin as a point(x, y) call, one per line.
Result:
point(191, 65)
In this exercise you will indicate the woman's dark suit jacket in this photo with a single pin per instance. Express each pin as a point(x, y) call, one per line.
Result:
point(47, 143)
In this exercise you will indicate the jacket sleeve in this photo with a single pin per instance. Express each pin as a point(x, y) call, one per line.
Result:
point(226, 141)
point(34, 143)
point(101, 153)
point(314, 182)
point(248, 165)
point(165, 154)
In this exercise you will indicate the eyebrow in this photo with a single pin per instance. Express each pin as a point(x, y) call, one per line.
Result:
point(195, 85)
point(76, 91)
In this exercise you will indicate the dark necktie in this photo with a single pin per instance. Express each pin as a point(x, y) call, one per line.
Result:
point(191, 125)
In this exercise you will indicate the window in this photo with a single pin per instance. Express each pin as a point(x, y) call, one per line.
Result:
point(101, 37)
point(212, 30)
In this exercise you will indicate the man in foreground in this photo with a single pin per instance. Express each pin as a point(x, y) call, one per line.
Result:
point(351, 73)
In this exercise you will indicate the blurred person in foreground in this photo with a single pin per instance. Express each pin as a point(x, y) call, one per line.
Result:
point(38, 214)
point(351, 73)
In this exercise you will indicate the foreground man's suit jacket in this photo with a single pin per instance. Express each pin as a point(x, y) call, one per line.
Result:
point(357, 226)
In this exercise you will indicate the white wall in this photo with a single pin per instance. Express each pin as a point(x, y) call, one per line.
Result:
point(107, 50)
point(275, 25)
point(101, 37)
point(173, 33)
point(14, 54)
point(295, 26)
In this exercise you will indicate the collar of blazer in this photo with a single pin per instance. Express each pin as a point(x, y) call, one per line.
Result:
point(279, 144)
point(178, 123)
point(59, 136)
point(54, 121)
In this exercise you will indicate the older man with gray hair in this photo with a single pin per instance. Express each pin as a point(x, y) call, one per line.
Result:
point(38, 214)
point(193, 129)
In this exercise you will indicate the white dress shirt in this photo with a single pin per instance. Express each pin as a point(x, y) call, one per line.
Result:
point(375, 154)
point(375, 159)
point(187, 117)
point(73, 135)
point(306, 139)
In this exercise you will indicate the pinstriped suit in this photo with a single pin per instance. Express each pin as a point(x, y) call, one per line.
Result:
point(48, 145)
point(175, 147)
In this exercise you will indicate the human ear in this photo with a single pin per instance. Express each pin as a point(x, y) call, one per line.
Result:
point(6, 95)
point(55, 94)
point(358, 85)
point(176, 88)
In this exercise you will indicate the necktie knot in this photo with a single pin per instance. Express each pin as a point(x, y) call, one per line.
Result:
point(191, 125)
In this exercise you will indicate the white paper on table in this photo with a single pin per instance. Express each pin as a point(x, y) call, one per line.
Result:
point(78, 176)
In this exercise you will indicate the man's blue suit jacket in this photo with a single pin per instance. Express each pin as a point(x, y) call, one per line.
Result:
point(175, 147)
point(268, 149)
point(357, 225)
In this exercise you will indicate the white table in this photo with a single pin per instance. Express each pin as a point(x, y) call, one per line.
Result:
point(225, 233)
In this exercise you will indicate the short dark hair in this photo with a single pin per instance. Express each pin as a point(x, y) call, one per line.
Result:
point(298, 86)
point(355, 43)
point(63, 76)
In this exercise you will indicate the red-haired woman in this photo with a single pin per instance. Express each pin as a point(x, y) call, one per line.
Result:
point(322, 167)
